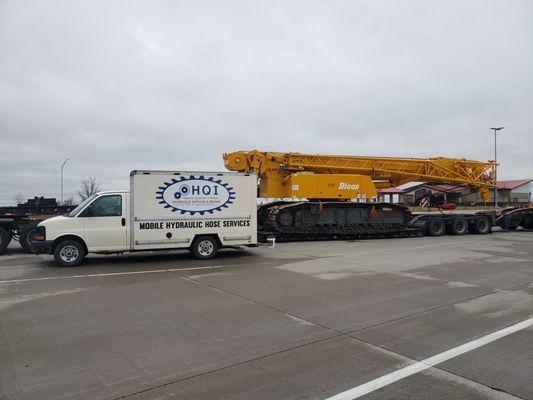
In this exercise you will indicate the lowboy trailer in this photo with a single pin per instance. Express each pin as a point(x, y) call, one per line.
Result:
point(311, 220)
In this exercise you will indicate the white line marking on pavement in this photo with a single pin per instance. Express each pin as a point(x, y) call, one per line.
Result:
point(150, 271)
point(412, 369)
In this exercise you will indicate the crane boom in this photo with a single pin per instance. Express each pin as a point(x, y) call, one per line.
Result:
point(317, 176)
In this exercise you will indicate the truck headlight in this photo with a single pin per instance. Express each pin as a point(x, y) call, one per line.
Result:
point(39, 234)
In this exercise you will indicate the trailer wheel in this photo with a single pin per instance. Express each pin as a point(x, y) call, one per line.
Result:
point(480, 226)
point(69, 253)
point(527, 222)
point(458, 226)
point(435, 227)
point(204, 247)
point(25, 233)
point(5, 238)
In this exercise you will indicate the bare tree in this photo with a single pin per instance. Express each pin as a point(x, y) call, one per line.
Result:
point(88, 187)
point(19, 198)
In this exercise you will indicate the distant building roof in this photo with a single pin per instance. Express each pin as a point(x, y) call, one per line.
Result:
point(513, 183)
point(444, 188)
point(390, 191)
point(437, 188)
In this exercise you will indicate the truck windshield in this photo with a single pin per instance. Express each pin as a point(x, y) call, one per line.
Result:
point(81, 206)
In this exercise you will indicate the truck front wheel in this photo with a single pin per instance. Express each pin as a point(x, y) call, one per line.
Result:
point(69, 253)
point(204, 247)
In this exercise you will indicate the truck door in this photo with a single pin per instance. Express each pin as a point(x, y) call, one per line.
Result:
point(104, 223)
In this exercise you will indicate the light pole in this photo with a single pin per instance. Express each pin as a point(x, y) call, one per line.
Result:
point(496, 165)
point(62, 165)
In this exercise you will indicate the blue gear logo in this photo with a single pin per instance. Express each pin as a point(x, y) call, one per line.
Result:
point(195, 195)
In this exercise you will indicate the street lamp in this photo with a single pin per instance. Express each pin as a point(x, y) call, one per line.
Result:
point(495, 165)
point(62, 165)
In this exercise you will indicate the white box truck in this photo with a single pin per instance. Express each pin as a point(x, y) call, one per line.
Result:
point(199, 211)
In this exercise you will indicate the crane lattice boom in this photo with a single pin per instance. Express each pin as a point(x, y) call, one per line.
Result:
point(346, 177)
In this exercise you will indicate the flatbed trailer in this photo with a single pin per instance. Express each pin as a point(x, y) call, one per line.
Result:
point(18, 228)
point(18, 223)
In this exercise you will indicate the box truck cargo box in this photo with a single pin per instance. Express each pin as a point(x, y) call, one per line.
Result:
point(185, 205)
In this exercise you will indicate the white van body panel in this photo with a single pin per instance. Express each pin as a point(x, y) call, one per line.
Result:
point(109, 233)
point(169, 208)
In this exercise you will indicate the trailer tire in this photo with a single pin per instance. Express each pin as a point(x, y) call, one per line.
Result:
point(480, 226)
point(204, 247)
point(458, 226)
point(527, 222)
point(25, 233)
point(69, 253)
point(435, 227)
point(5, 238)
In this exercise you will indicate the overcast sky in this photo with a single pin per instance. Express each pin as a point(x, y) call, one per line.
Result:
point(122, 85)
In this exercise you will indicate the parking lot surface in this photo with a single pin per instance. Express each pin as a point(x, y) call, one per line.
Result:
point(303, 320)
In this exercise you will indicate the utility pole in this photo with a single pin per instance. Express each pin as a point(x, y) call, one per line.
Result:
point(62, 165)
point(496, 165)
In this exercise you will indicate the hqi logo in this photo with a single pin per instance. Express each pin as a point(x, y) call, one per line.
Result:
point(195, 195)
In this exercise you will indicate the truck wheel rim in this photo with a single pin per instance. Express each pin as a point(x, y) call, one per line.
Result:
point(69, 253)
point(205, 248)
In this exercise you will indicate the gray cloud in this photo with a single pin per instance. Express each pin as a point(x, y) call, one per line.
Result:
point(117, 86)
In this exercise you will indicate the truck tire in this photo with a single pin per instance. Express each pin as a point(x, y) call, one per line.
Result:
point(69, 253)
point(435, 227)
point(25, 233)
point(5, 238)
point(457, 226)
point(204, 247)
point(480, 225)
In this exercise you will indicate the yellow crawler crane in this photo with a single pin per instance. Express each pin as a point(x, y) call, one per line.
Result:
point(317, 176)
point(330, 181)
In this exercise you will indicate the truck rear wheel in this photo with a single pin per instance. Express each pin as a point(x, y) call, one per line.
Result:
point(435, 227)
point(204, 247)
point(5, 238)
point(25, 233)
point(480, 225)
point(69, 253)
point(458, 226)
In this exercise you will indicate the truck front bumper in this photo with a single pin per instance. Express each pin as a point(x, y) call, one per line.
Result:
point(41, 247)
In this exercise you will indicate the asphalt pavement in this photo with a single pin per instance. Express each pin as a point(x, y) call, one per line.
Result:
point(416, 318)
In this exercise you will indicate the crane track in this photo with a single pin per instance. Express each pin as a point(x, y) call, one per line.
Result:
point(316, 220)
